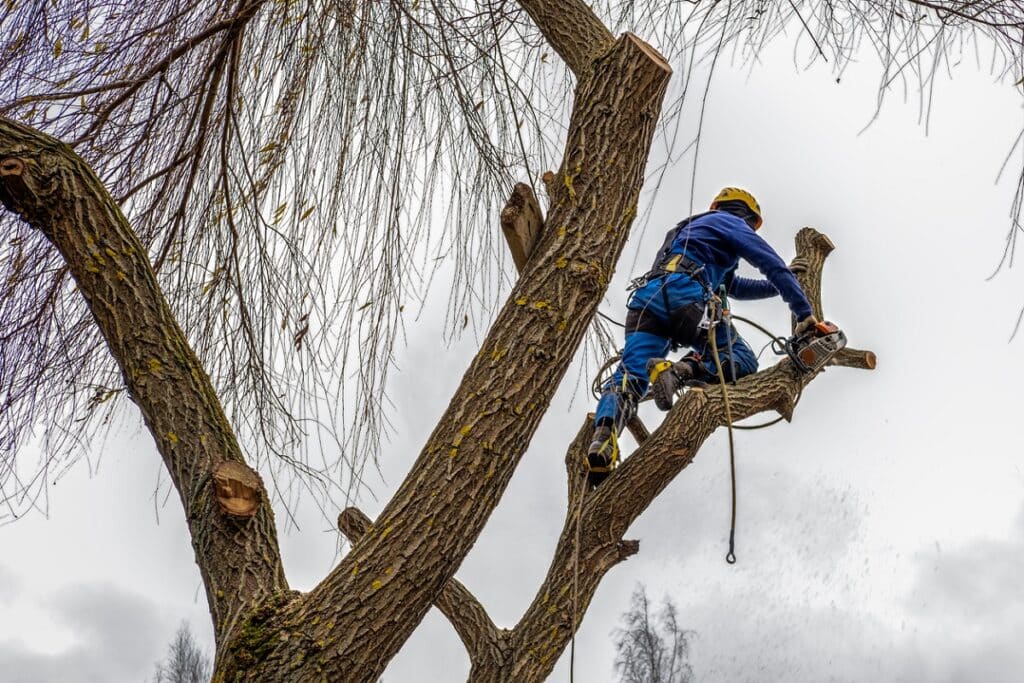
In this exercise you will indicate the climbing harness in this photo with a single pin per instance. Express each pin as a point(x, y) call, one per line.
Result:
point(666, 262)
point(669, 264)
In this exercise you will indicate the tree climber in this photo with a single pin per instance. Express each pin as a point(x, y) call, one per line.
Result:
point(669, 309)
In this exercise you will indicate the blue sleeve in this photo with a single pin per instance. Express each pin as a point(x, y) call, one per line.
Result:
point(749, 288)
point(749, 245)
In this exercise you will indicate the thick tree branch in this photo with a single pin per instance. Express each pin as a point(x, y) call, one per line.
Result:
point(573, 31)
point(582, 558)
point(812, 248)
point(638, 429)
point(483, 640)
point(855, 358)
point(231, 523)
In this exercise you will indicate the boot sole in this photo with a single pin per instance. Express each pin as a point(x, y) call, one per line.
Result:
point(662, 399)
point(598, 469)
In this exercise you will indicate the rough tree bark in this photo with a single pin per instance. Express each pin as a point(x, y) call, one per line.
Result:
point(353, 623)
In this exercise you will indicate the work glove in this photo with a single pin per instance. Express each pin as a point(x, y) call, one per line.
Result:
point(805, 325)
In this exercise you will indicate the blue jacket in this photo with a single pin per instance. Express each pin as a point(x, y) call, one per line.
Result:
point(718, 240)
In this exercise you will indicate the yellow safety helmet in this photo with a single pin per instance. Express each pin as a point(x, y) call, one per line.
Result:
point(736, 194)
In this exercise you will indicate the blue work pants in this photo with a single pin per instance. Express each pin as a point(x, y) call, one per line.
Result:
point(628, 384)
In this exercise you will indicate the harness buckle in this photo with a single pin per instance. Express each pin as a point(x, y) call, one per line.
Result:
point(705, 321)
point(638, 283)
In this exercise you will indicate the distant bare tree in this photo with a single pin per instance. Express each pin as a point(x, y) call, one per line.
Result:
point(186, 662)
point(652, 648)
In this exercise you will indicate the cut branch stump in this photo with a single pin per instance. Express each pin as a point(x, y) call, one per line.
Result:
point(522, 222)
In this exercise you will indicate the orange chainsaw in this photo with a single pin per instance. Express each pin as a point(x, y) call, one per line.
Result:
point(811, 350)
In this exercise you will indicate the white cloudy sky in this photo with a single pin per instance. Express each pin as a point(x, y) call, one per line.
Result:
point(880, 535)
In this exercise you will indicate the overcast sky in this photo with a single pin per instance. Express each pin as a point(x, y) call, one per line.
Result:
point(880, 534)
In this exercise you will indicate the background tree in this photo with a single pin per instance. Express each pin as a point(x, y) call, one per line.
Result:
point(652, 648)
point(186, 662)
point(236, 267)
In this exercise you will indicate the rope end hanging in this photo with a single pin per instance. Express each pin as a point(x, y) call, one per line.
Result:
point(731, 555)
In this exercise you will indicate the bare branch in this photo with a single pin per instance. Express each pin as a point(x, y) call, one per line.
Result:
point(522, 221)
point(855, 358)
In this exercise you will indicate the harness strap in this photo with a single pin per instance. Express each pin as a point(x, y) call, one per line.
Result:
point(679, 263)
point(673, 263)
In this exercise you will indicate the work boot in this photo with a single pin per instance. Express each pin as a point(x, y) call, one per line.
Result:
point(602, 456)
point(666, 380)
